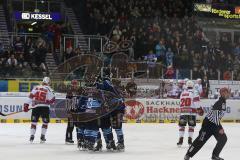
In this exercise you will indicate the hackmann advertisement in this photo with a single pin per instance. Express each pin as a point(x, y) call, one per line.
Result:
point(168, 110)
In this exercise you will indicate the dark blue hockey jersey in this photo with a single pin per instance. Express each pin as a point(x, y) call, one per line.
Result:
point(108, 86)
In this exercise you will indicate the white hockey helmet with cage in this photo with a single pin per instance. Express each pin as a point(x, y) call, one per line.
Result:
point(189, 84)
point(46, 80)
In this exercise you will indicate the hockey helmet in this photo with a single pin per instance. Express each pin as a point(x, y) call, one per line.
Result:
point(189, 84)
point(46, 80)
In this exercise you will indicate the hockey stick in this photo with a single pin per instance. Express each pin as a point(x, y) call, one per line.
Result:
point(2, 114)
point(12, 113)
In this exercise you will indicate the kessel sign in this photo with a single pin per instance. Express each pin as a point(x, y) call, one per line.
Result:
point(53, 16)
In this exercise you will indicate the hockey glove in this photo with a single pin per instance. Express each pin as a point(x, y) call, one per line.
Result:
point(26, 107)
point(200, 111)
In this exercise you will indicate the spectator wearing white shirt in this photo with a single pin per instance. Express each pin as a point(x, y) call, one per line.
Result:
point(12, 61)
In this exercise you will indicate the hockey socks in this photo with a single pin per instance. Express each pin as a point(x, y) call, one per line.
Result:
point(33, 128)
point(120, 136)
point(80, 133)
point(44, 129)
point(181, 131)
point(108, 135)
point(190, 131)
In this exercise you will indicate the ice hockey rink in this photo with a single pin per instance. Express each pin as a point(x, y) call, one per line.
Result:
point(143, 142)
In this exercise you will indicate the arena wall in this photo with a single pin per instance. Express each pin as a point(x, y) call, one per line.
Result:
point(143, 110)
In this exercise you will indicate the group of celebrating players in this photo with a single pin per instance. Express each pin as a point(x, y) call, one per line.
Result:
point(88, 132)
point(89, 135)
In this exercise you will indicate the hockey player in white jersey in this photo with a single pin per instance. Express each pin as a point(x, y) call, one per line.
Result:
point(40, 98)
point(189, 107)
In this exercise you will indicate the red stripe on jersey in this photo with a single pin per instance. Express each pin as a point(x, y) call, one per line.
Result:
point(191, 130)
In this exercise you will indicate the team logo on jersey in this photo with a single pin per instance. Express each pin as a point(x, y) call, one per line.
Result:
point(134, 109)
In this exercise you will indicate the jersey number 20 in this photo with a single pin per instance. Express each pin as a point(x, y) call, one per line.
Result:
point(185, 102)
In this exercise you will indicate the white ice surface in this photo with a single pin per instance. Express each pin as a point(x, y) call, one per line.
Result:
point(143, 142)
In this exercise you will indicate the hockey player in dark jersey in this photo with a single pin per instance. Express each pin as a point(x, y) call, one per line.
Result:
point(105, 122)
point(211, 126)
point(117, 118)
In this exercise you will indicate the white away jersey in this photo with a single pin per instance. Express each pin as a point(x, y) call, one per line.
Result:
point(41, 95)
point(189, 102)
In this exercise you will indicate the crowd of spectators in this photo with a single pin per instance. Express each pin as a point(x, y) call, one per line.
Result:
point(24, 59)
point(219, 1)
point(168, 33)
point(50, 31)
point(26, 56)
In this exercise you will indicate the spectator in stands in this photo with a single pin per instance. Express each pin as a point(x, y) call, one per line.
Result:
point(18, 46)
point(151, 59)
point(40, 56)
point(21, 29)
point(12, 61)
point(160, 50)
point(21, 61)
point(206, 86)
point(236, 50)
point(69, 53)
point(117, 33)
point(169, 57)
point(170, 73)
point(29, 49)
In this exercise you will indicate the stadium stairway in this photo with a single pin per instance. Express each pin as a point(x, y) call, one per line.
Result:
point(51, 64)
point(4, 37)
point(81, 40)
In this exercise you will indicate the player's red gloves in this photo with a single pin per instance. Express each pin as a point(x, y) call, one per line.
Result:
point(26, 107)
point(200, 111)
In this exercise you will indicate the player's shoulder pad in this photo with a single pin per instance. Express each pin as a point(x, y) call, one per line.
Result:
point(50, 89)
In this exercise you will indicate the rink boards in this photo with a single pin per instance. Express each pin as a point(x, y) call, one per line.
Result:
point(143, 110)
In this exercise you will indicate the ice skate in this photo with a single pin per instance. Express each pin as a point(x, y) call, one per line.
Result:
point(186, 157)
point(99, 146)
point(120, 146)
point(82, 145)
point(214, 157)
point(42, 139)
point(180, 142)
point(69, 141)
point(111, 146)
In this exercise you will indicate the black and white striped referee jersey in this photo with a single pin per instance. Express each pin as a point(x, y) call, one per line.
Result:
point(217, 111)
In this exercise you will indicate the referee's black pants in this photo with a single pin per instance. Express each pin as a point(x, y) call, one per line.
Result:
point(70, 127)
point(208, 129)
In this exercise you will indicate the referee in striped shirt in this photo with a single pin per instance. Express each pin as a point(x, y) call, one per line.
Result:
point(211, 126)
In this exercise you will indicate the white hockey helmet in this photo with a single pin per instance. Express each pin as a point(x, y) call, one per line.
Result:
point(46, 80)
point(189, 84)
